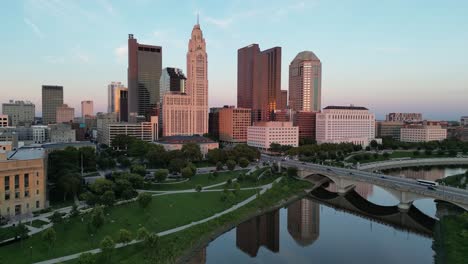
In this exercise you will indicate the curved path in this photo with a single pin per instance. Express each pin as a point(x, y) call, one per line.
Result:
point(264, 188)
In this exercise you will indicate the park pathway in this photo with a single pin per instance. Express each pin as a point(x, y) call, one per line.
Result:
point(264, 188)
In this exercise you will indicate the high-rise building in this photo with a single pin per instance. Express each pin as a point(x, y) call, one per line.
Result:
point(187, 113)
point(19, 112)
point(305, 82)
point(65, 114)
point(87, 108)
point(144, 74)
point(213, 122)
point(233, 123)
point(283, 102)
point(345, 124)
point(464, 121)
point(388, 129)
point(306, 122)
point(404, 117)
point(172, 80)
point(52, 97)
point(123, 109)
point(146, 131)
point(259, 81)
point(113, 96)
point(197, 80)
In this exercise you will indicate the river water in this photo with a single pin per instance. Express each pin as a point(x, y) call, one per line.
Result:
point(337, 229)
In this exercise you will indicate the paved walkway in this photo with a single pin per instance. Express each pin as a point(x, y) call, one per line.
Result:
point(170, 231)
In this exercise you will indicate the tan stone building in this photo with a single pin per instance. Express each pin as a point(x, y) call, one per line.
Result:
point(22, 182)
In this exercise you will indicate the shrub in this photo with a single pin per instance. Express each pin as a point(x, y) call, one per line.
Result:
point(219, 165)
point(187, 172)
point(231, 165)
point(243, 162)
point(144, 199)
point(198, 188)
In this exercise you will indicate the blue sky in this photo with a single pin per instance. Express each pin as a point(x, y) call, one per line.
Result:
point(386, 55)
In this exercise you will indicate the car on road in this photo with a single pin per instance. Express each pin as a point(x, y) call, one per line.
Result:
point(383, 177)
point(431, 188)
point(351, 173)
point(303, 163)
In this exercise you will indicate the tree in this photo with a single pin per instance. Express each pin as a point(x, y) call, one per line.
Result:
point(216, 155)
point(386, 155)
point(89, 197)
point(142, 233)
point(152, 244)
point(192, 152)
point(156, 156)
point(56, 217)
point(161, 175)
point(292, 171)
point(187, 172)
point(49, 236)
point(144, 199)
point(100, 186)
point(231, 164)
point(243, 162)
point(125, 236)
point(136, 180)
point(69, 183)
point(21, 232)
point(374, 144)
point(121, 142)
point(428, 152)
point(416, 153)
point(219, 165)
point(236, 188)
point(97, 217)
point(198, 188)
point(275, 147)
point(124, 161)
point(108, 198)
point(138, 169)
point(107, 247)
point(175, 165)
point(86, 258)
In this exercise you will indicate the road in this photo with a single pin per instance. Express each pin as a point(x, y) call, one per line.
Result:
point(445, 193)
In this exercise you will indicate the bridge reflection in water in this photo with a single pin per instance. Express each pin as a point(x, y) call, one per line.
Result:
point(303, 221)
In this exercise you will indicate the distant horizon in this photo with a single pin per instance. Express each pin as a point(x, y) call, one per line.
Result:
point(389, 57)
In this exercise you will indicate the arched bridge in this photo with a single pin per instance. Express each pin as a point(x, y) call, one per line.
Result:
point(405, 190)
point(413, 219)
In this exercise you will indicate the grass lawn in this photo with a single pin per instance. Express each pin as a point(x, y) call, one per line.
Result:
point(6, 233)
point(455, 181)
point(164, 212)
point(199, 179)
point(172, 246)
point(37, 223)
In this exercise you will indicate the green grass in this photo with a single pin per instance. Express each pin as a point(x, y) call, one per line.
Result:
point(174, 245)
point(164, 212)
point(37, 223)
point(451, 240)
point(199, 179)
point(6, 233)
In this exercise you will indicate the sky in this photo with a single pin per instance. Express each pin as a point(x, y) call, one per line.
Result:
point(390, 56)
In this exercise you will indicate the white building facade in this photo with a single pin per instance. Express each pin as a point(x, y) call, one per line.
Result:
point(146, 131)
point(428, 131)
point(345, 124)
point(262, 134)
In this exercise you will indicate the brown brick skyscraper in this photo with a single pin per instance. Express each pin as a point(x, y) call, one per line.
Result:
point(259, 81)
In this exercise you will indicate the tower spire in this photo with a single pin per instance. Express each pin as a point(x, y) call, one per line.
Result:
point(198, 18)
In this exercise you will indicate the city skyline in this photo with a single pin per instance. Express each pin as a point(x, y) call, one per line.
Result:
point(381, 56)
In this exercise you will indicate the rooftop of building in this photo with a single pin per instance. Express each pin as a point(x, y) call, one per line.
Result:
point(26, 154)
point(273, 124)
point(185, 139)
point(351, 107)
point(306, 56)
point(48, 146)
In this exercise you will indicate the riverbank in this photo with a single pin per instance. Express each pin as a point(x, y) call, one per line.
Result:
point(458, 181)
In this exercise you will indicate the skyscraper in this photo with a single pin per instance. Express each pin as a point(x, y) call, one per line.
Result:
point(144, 74)
point(172, 80)
point(52, 97)
point(123, 101)
point(87, 108)
point(305, 82)
point(19, 112)
point(64, 114)
point(197, 79)
point(187, 113)
point(259, 80)
point(113, 96)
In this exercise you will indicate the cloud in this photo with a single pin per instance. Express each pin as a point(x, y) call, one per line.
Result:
point(108, 6)
point(121, 53)
point(34, 27)
point(221, 23)
point(54, 59)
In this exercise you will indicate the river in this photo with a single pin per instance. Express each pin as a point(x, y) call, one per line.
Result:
point(326, 228)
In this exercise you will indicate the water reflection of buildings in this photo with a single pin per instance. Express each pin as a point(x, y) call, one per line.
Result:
point(260, 231)
point(304, 221)
point(432, 174)
point(364, 189)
